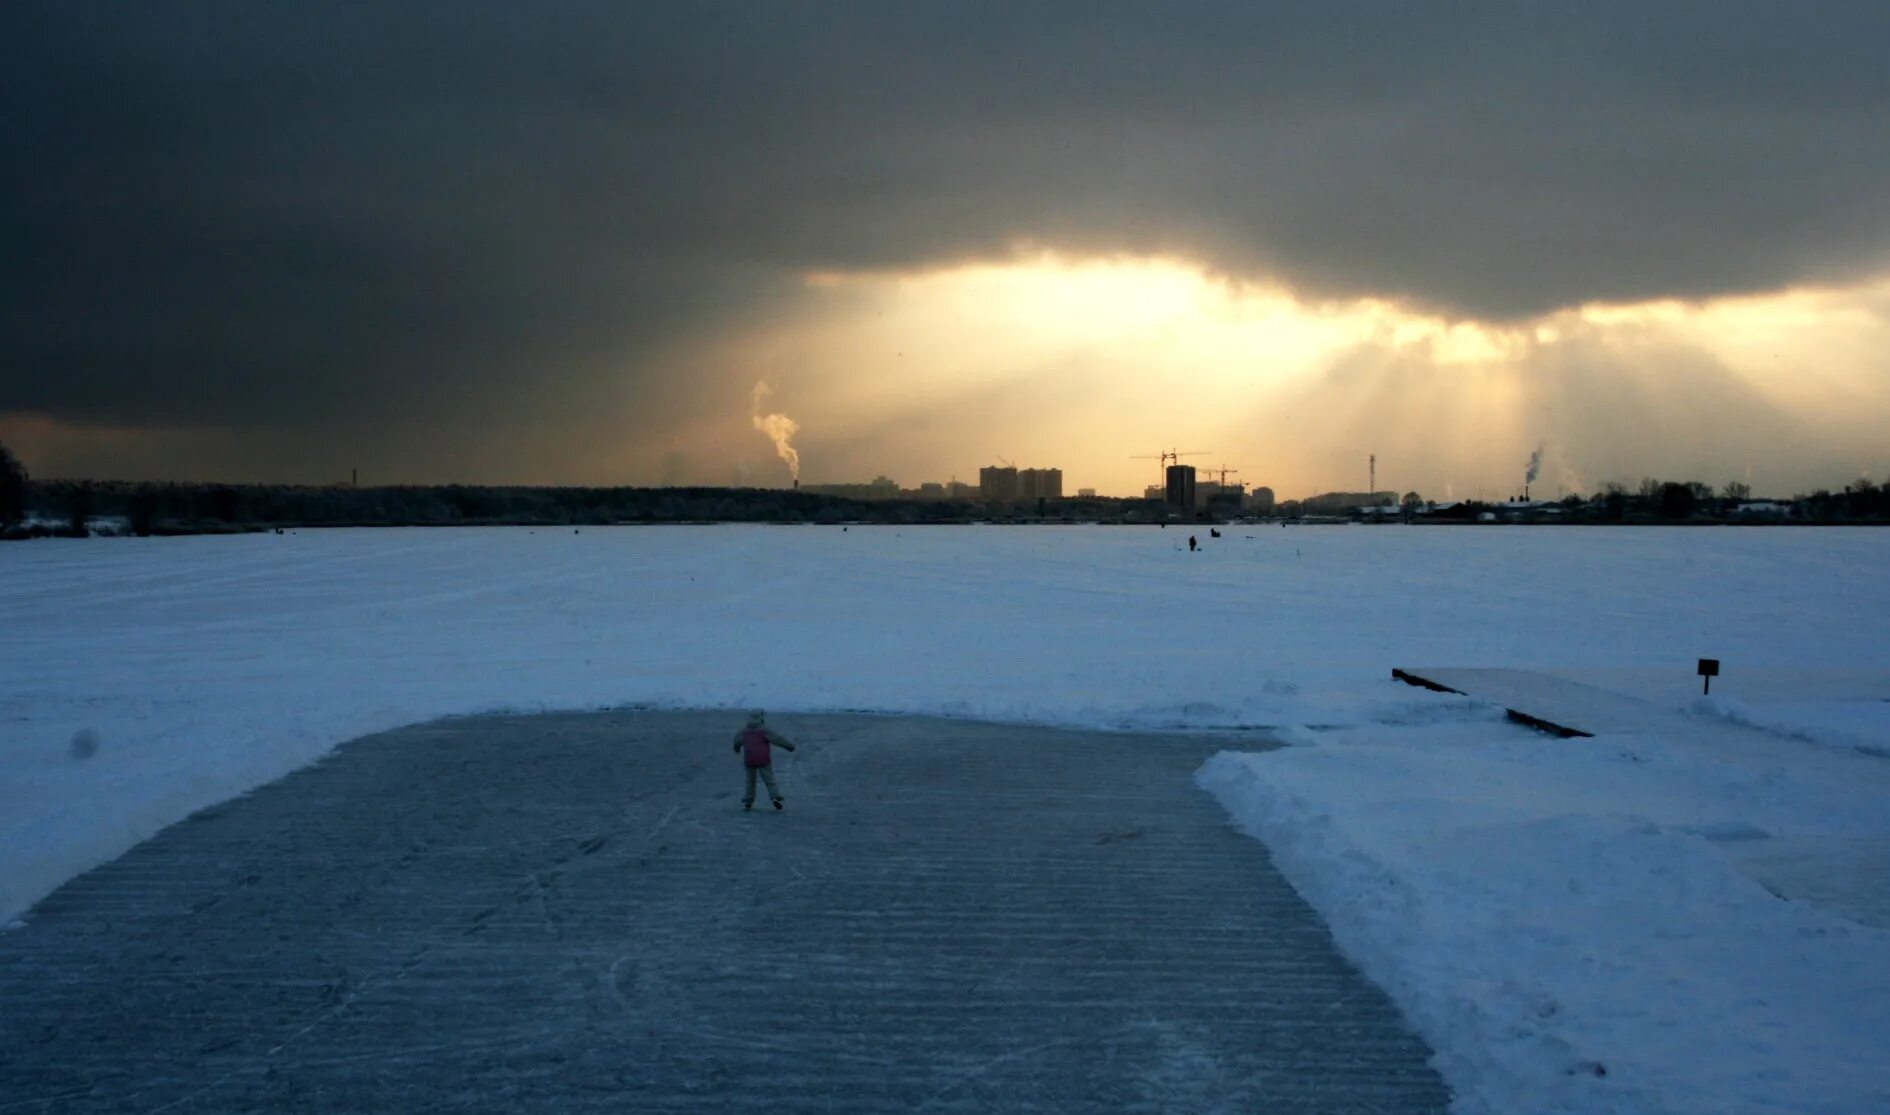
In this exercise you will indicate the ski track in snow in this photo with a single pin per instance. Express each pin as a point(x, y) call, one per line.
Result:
point(1539, 909)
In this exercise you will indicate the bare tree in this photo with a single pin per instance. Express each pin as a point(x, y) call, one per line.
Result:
point(12, 488)
point(1736, 492)
point(79, 510)
point(1675, 500)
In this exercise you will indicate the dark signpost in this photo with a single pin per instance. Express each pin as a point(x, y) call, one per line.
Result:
point(1709, 669)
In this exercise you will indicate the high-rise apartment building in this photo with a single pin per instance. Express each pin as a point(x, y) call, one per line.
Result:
point(1181, 487)
point(1040, 483)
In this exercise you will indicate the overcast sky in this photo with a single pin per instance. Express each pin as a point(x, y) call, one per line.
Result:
point(561, 242)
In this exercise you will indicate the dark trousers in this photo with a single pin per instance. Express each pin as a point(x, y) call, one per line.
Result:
point(767, 775)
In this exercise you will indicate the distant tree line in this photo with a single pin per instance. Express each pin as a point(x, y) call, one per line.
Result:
point(65, 507)
point(174, 508)
point(1683, 501)
point(1663, 501)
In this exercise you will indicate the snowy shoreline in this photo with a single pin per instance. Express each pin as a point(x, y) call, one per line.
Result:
point(1539, 910)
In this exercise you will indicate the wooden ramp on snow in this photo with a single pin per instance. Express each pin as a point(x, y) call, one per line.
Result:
point(1549, 704)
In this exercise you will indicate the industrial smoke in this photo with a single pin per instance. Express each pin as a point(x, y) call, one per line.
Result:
point(1535, 466)
point(779, 428)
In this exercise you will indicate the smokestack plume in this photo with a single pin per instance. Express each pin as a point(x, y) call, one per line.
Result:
point(1535, 466)
point(779, 428)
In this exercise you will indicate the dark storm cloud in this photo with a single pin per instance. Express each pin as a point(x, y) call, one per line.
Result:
point(252, 213)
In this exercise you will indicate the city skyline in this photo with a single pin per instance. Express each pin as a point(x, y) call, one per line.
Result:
point(655, 245)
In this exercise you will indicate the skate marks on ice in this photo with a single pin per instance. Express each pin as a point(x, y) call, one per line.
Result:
point(573, 913)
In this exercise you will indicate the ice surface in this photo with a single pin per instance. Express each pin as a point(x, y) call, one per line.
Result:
point(570, 914)
point(1541, 909)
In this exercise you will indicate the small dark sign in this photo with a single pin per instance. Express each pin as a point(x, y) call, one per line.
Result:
point(1709, 669)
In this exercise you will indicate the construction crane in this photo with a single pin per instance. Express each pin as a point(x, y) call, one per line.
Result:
point(1173, 455)
point(1224, 472)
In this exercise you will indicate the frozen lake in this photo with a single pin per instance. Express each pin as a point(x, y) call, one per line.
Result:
point(194, 669)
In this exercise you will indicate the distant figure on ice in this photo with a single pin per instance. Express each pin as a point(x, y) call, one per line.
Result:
point(1191, 543)
point(753, 742)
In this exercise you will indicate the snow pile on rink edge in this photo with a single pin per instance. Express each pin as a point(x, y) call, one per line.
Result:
point(1558, 920)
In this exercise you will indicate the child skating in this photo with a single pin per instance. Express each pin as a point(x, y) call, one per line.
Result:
point(754, 742)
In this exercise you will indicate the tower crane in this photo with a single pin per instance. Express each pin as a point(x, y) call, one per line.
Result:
point(1171, 455)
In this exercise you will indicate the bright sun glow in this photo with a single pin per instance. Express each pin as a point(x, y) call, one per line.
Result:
point(1085, 363)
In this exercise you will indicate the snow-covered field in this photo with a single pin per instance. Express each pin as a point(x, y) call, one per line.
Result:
point(1575, 925)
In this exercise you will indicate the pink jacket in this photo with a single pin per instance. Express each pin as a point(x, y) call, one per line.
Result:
point(753, 744)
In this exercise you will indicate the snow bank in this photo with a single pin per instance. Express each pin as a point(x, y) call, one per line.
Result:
point(1540, 911)
point(1559, 919)
point(1860, 725)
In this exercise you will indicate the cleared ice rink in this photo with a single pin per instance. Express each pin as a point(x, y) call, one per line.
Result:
point(563, 913)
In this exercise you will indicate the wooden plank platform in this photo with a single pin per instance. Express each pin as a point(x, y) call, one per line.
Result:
point(1550, 711)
